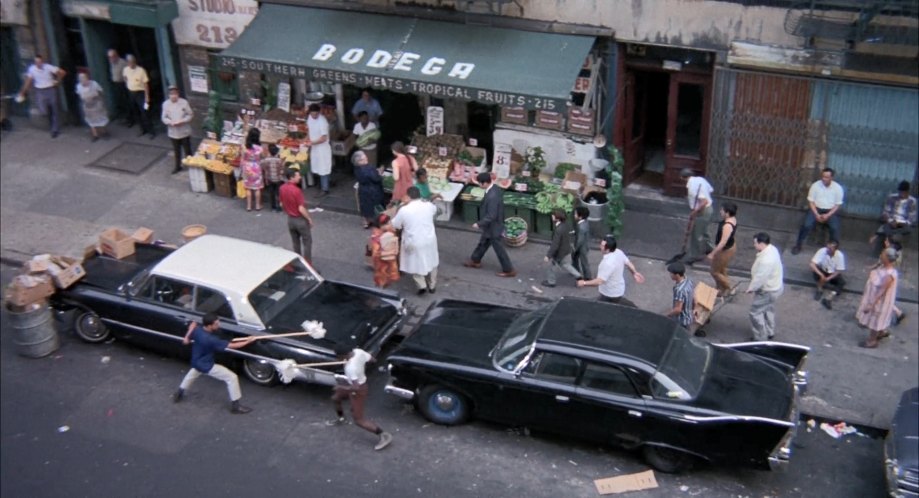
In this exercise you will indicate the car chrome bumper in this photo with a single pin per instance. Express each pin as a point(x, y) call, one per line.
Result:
point(399, 392)
point(779, 460)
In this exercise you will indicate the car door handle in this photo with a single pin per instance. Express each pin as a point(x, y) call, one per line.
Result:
point(561, 399)
point(635, 413)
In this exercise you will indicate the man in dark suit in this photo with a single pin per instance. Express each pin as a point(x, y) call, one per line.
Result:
point(491, 222)
point(559, 249)
point(581, 242)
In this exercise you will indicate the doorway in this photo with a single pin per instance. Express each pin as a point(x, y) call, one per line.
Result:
point(665, 124)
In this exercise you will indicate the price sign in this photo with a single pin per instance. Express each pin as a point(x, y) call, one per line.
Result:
point(600, 182)
point(520, 187)
point(473, 142)
point(502, 163)
point(442, 151)
point(525, 172)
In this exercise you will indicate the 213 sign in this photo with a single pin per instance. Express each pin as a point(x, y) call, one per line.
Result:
point(220, 34)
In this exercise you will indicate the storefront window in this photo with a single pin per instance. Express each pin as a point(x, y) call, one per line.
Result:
point(223, 80)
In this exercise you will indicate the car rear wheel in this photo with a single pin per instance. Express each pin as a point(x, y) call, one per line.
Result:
point(260, 372)
point(667, 460)
point(90, 328)
point(443, 405)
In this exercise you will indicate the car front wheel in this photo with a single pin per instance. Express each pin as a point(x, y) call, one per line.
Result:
point(443, 405)
point(667, 460)
point(260, 372)
point(90, 328)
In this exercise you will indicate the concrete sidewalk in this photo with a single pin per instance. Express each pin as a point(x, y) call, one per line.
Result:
point(54, 200)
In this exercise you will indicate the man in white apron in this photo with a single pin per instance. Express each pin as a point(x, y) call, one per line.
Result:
point(320, 149)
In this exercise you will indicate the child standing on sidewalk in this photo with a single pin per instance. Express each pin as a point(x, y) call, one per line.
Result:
point(273, 171)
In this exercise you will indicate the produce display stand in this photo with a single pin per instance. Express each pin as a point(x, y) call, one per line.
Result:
point(448, 197)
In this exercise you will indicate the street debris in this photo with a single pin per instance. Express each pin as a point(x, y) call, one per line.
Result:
point(811, 423)
point(684, 488)
point(836, 431)
point(106, 359)
point(64, 428)
point(629, 482)
point(572, 462)
point(537, 289)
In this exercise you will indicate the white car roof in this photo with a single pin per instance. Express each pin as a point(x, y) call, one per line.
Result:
point(232, 266)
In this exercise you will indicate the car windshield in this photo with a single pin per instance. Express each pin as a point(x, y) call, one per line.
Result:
point(518, 339)
point(682, 369)
point(282, 289)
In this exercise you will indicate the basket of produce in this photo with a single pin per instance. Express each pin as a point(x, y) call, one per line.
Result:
point(515, 231)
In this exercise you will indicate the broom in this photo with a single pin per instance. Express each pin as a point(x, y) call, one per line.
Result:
point(311, 328)
point(692, 219)
point(287, 369)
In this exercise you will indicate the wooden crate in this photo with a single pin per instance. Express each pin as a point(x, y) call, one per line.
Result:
point(225, 185)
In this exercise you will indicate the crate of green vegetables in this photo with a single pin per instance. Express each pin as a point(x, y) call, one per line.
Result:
point(515, 232)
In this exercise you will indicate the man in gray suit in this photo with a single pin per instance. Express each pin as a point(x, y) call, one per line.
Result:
point(581, 242)
point(491, 222)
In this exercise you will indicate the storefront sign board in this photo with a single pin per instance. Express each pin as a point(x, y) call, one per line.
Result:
point(212, 23)
point(550, 120)
point(581, 121)
point(284, 96)
point(197, 76)
point(435, 120)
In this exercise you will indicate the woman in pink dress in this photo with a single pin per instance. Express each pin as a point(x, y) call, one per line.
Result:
point(876, 308)
point(252, 169)
point(403, 171)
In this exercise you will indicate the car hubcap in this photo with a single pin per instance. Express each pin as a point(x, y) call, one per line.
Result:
point(91, 326)
point(445, 402)
point(260, 371)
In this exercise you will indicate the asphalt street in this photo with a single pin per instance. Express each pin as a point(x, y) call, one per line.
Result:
point(126, 437)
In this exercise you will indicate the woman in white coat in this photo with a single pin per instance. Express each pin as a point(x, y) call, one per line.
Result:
point(418, 256)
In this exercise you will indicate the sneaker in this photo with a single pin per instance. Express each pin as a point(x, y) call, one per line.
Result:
point(421, 291)
point(818, 294)
point(899, 318)
point(826, 304)
point(431, 290)
point(545, 283)
point(334, 422)
point(796, 249)
point(385, 439)
point(178, 395)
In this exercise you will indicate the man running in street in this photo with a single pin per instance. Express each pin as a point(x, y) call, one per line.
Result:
point(356, 391)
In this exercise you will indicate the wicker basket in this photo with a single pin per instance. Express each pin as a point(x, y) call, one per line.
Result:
point(192, 232)
point(519, 240)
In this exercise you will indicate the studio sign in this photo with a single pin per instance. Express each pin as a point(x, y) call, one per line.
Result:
point(405, 61)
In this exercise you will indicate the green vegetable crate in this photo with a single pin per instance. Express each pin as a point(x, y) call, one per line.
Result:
point(526, 214)
point(543, 223)
point(471, 211)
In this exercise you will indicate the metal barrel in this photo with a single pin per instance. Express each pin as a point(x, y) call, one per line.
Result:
point(33, 331)
point(597, 218)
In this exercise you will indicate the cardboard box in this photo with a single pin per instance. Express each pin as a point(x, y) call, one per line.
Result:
point(116, 243)
point(38, 264)
point(28, 289)
point(143, 235)
point(91, 251)
point(574, 182)
point(630, 482)
point(704, 298)
point(66, 271)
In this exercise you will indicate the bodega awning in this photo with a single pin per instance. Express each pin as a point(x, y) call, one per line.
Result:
point(491, 65)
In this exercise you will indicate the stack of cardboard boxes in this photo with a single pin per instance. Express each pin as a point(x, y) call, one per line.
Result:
point(44, 273)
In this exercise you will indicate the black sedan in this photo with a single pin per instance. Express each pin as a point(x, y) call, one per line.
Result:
point(604, 372)
point(901, 447)
point(149, 297)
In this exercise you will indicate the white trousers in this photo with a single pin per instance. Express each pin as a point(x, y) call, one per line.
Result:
point(218, 372)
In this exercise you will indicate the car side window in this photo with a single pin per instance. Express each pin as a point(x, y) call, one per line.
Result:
point(211, 301)
point(607, 378)
point(169, 292)
point(553, 367)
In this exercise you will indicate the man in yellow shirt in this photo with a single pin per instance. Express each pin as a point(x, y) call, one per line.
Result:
point(135, 78)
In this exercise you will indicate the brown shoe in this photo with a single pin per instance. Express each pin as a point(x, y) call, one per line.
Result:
point(508, 274)
point(471, 264)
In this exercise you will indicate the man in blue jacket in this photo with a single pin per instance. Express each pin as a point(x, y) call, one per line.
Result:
point(204, 345)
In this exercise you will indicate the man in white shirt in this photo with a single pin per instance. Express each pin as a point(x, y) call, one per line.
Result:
point(138, 84)
point(699, 196)
point(320, 148)
point(177, 116)
point(610, 274)
point(364, 124)
point(824, 199)
point(766, 285)
point(355, 390)
point(44, 78)
point(827, 266)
